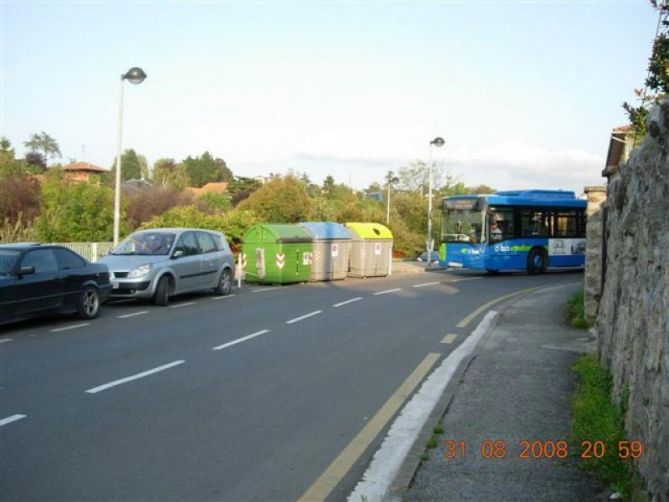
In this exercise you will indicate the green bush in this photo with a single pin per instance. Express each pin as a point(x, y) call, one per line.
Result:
point(233, 224)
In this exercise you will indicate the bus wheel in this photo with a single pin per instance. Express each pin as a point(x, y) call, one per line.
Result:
point(536, 261)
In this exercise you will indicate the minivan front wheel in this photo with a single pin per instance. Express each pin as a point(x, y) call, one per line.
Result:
point(89, 303)
point(162, 295)
point(225, 283)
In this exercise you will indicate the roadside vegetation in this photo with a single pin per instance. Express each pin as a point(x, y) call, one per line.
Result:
point(576, 308)
point(598, 429)
point(39, 202)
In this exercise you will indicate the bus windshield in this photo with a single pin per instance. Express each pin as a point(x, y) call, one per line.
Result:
point(462, 221)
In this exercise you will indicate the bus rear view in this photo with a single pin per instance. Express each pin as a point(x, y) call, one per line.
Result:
point(516, 230)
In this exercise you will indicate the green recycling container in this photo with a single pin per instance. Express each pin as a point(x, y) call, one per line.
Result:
point(277, 254)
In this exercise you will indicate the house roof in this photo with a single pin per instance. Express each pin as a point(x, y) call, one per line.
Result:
point(213, 187)
point(617, 147)
point(84, 167)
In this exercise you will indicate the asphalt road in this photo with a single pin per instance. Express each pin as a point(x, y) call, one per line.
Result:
point(246, 397)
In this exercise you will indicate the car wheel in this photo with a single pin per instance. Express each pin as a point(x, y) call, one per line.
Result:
point(536, 261)
point(89, 303)
point(162, 295)
point(225, 283)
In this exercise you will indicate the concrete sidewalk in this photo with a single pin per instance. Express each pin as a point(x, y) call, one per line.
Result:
point(516, 388)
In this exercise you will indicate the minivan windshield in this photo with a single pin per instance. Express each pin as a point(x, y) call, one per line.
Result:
point(8, 259)
point(146, 243)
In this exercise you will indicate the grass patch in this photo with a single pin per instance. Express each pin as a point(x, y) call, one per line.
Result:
point(432, 442)
point(596, 418)
point(577, 311)
point(438, 430)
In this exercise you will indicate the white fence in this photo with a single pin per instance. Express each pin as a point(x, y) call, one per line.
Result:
point(92, 251)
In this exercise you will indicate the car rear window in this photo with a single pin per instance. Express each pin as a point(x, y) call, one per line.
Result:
point(67, 259)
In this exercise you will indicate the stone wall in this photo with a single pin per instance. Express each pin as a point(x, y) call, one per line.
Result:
point(633, 317)
point(592, 283)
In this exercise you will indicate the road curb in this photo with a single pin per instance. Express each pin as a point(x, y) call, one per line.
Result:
point(413, 460)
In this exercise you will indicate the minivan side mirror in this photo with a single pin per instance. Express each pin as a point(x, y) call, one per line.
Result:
point(26, 271)
point(177, 254)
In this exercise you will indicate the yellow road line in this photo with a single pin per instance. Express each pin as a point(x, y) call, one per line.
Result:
point(482, 308)
point(449, 338)
point(349, 455)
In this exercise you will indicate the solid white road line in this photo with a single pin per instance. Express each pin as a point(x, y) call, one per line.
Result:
point(405, 429)
point(134, 314)
point(5, 340)
point(240, 340)
point(316, 312)
point(387, 291)
point(106, 386)
point(9, 420)
point(222, 297)
point(263, 289)
point(72, 326)
point(348, 301)
point(179, 305)
point(449, 338)
point(467, 279)
point(425, 284)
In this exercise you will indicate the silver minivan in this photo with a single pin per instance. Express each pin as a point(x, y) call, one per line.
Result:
point(162, 262)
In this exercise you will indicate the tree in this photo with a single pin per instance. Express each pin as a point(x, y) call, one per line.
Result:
point(131, 167)
point(145, 203)
point(75, 212)
point(35, 162)
point(329, 186)
point(6, 147)
point(144, 167)
point(481, 189)
point(202, 170)
point(241, 188)
point(44, 144)
point(280, 200)
point(415, 177)
point(226, 172)
point(657, 81)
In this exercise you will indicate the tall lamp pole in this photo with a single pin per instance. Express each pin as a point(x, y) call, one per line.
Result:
point(429, 243)
point(134, 76)
point(391, 179)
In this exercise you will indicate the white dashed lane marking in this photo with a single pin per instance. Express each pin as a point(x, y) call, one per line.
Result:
point(240, 340)
point(72, 326)
point(121, 381)
point(348, 301)
point(311, 314)
point(425, 284)
point(9, 420)
point(5, 340)
point(449, 338)
point(222, 297)
point(387, 291)
point(179, 305)
point(134, 314)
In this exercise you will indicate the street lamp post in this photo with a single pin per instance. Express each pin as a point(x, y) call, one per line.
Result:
point(429, 243)
point(391, 179)
point(134, 76)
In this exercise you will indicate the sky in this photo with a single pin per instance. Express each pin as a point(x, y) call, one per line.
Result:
point(525, 94)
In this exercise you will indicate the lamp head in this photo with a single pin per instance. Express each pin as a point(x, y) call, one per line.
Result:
point(438, 142)
point(134, 75)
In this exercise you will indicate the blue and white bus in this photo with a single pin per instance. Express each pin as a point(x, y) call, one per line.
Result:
point(513, 230)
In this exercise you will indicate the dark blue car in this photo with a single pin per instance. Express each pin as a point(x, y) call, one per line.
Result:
point(38, 280)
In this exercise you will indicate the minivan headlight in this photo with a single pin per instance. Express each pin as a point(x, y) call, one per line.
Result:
point(139, 271)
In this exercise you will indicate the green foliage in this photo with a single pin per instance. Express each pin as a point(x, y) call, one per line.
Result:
point(596, 418)
point(131, 166)
point(233, 224)
point(45, 145)
point(280, 200)
point(657, 81)
point(241, 188)
point(75, 212)
point(167, 174)
point(203, 169)
point(215, 202)
point(577, 311)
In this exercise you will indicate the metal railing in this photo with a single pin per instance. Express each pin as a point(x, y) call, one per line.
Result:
point(92, 251)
